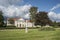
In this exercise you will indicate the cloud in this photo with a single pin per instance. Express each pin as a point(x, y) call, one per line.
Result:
point(27, 16)
point(10, 2)
point(55, 7)
point(54, 16)
point(16, 11)
point(12, 8)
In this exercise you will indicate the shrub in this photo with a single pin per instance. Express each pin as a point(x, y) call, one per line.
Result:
point(46, 29)
point(56, 26)
point(10, 27)
point(33, 27)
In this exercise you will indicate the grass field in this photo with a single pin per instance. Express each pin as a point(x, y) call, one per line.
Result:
point(33, 34)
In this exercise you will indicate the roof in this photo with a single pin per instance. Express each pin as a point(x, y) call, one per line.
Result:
point(12, 19)
point(18, 19)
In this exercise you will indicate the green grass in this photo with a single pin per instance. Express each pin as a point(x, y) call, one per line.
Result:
point(33, 34)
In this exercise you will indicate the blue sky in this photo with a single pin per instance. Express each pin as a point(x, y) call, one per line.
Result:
point(44, 5)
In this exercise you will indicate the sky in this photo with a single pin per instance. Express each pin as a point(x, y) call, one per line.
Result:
point(20, 8)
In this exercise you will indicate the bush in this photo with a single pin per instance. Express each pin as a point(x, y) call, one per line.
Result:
point(46, 29)
point(3, 27)
point(56, 26)
point(33, 27)
point(10, 27)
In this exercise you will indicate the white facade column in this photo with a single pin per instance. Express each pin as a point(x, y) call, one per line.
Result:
point(16, 23)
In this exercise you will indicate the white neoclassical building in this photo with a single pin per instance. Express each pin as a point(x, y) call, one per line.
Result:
point(20, 22)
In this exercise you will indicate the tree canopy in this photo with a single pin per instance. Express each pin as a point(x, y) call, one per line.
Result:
point(1, 19)
point(42, 19)
point(33, 11)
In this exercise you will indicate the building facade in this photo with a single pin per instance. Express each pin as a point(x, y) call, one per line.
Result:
point(20, 22)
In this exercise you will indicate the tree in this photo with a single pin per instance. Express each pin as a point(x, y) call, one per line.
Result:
point(11, 21)
point(33, 11)
point(42, 19)
point(1, 19)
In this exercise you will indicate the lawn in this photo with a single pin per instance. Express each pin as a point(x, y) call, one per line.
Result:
point(33, 34)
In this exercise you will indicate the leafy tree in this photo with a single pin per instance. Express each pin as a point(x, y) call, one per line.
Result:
point(56, 24)
point(33, 11)
point(1, 19)
point(11, 21)
point(42, 19)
